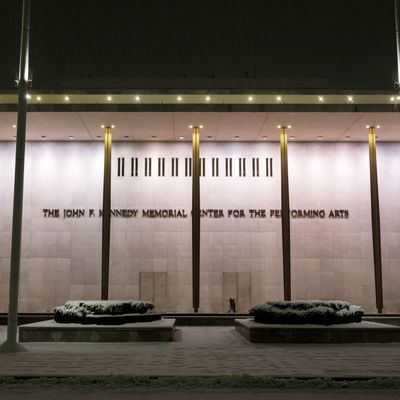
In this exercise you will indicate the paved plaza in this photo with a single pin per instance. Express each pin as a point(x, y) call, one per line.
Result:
point(203, 351)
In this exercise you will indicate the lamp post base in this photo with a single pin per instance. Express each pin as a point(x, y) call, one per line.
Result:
point(8, 347)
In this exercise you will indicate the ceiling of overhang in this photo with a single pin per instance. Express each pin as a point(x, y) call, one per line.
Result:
point(219, 126)
point(38, 98)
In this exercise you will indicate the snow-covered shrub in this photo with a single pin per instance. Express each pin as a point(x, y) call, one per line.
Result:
point(307, 312)
point(74, 311)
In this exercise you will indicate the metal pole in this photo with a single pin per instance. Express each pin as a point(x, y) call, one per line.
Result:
point(105, 255)
point(11, 344)
point(396, 19)
point(376, 225)
point(196, 219)
point(285, 216)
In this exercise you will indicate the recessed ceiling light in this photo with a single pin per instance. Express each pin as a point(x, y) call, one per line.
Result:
point(126, 137)
point(209, 137)
point(278, 126)
point(28, 96)
point(66, 98)
point(292, 137)
point(179, 98)
point(201, 126)
point(265, 137)
point(250, 98)
point(137, 98)
point(14, 126)
point(190, 126)
point(181, 137)
point(350, 99)
point(43, 137)
point(367, 126)
point(378, 127)
point(392, 98)
point(398, 97)
point(102, 126)
point(98, 136)
point(320, 137)
point(347, 137)
point(290, 126)
point(109, 98)
point(208, 98)
point(154, 137)
point(278, 98)
point(320, 98)
point(236, 137)
point(112, 126)
point(71, 137)
point(38, 98)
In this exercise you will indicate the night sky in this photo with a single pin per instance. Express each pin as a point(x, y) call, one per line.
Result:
point(258, 44)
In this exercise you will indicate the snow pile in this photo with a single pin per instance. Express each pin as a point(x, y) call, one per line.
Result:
point(74, 311)
point(307, 312)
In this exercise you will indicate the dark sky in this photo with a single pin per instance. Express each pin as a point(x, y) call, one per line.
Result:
point(265, 44)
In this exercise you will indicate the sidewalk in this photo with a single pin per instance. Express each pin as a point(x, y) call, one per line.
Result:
point(203, 351)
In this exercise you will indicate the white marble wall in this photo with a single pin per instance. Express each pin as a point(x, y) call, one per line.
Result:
point(61, 258)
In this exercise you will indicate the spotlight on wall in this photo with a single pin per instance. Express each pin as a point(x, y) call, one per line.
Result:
point(181, 138)
point(378, 127)
point(201, 126)
point(102, 126)
point(14, 126)
point(278, 126)
point(112, 126)
point(367, 126)
point(190, 126)
point(289, 126)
